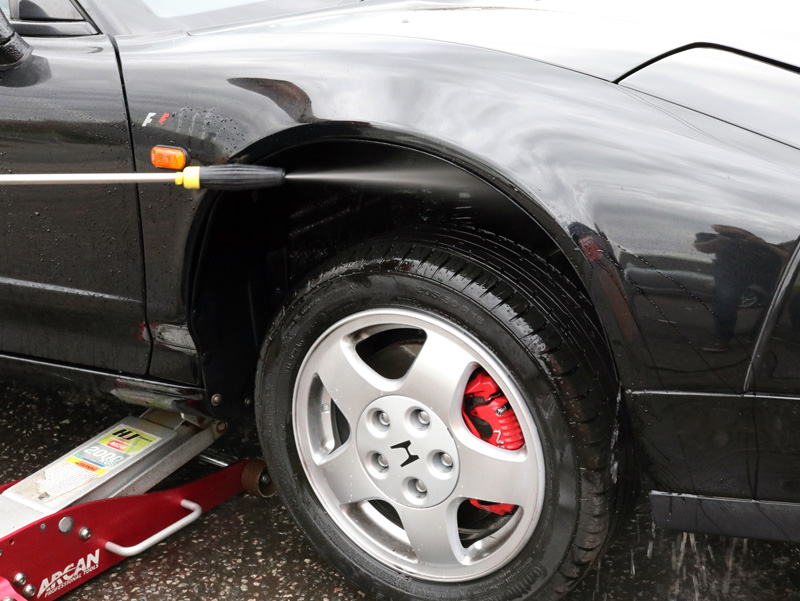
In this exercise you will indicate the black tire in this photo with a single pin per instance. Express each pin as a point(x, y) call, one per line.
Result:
point(536, 323)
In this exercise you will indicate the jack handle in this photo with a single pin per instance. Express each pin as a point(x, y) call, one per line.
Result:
point(196, 511)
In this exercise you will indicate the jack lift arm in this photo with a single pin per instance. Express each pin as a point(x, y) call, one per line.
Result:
point(84, 512)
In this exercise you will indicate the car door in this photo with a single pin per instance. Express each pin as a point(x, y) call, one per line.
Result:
point(71, 271)
point(775, 382)
point(731, 263)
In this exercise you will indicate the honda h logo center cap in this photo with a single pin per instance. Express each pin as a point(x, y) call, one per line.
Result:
point(408, 451)
point(411, 457)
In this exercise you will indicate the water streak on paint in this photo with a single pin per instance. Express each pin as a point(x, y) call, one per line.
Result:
point(427, 177)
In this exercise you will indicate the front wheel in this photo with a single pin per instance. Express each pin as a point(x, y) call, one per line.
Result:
point(437, 415)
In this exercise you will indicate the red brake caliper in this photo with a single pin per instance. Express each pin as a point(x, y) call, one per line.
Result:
point(490, 417)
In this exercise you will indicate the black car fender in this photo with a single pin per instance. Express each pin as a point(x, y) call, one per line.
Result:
point(608, 175)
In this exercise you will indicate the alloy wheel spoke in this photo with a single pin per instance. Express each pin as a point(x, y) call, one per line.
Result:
point(433, 533)
point(496, 475)
point(439, 375)
point(351, 383)
point(344, 475)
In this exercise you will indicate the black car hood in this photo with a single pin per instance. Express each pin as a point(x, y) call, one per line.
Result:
point(603, 39)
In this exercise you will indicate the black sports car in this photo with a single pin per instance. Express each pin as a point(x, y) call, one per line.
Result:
point(526, 252)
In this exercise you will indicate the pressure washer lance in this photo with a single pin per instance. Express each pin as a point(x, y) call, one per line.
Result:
point(213, 177)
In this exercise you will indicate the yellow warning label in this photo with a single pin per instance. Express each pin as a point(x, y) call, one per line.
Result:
point(96, 469)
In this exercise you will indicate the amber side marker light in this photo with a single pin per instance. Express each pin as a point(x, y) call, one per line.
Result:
point(168, 157)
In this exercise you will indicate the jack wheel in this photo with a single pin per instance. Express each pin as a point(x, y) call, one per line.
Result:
point(256, 480)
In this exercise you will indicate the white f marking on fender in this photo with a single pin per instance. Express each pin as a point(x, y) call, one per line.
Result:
point(148, 119)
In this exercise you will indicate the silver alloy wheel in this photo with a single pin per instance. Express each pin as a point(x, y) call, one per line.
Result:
point(406, 445)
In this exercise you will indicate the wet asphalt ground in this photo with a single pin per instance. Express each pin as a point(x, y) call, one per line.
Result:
point(248, 549)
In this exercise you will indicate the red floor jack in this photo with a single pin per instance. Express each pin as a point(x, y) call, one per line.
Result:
point(85, 512)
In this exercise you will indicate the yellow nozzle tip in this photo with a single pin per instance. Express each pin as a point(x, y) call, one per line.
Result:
point(190, 178)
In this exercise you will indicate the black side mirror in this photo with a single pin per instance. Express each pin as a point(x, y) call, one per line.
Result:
point(13, 49)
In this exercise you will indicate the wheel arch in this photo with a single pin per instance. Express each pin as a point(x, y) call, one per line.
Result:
point(254, 246)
